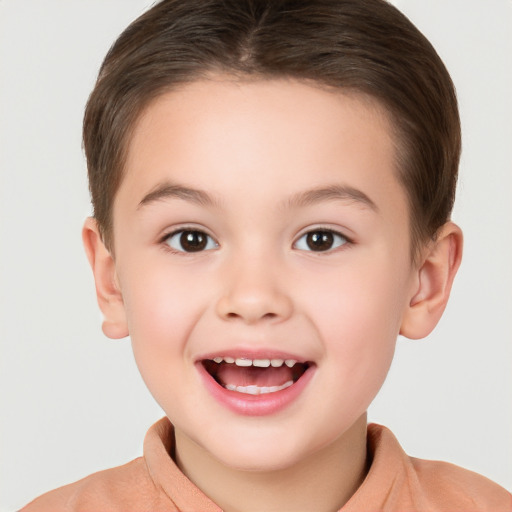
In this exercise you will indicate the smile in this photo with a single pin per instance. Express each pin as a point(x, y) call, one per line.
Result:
point(255, 386)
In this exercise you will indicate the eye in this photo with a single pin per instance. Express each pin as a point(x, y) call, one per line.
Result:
point(320, 240)
point(190, 240)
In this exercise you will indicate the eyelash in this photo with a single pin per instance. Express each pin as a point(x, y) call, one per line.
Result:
point(165, 240)
point(346, 240)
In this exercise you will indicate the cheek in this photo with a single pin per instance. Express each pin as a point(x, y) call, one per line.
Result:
point(358, 313)
point(361, 301)
point(162, 308)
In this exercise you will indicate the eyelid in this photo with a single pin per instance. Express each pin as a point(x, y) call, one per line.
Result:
point(179, 229)
point(326, 227)
point(172, 230)
point(337, 232)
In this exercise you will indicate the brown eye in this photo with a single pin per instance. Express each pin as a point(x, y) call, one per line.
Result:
point(193, 241)
point(190, 241)
point(320, 241)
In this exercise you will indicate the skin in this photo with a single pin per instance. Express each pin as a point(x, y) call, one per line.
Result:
point(255, 148)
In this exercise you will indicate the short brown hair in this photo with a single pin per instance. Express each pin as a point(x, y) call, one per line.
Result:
point(366, 46)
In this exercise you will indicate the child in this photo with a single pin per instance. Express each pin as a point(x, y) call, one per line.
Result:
point(272, 185)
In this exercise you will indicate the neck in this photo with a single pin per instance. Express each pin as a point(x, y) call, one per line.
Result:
point(324, 481)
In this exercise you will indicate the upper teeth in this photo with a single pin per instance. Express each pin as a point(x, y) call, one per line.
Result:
point(262, 363)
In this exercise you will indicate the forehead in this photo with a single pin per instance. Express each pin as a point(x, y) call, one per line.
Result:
point(267, 137)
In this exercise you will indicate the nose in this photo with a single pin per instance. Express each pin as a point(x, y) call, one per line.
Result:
point(254, 291)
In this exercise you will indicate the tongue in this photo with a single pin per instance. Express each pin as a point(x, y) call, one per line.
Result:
point(253, 376)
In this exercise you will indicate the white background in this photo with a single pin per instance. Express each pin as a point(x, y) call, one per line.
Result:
point(72, 401)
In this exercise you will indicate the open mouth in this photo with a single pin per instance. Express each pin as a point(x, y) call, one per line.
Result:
point(255, 376)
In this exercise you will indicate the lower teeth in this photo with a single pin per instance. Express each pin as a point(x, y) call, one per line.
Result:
point(257, 390)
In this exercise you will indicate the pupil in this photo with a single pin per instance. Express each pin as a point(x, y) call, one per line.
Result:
point(193, 241)
point(320, 240)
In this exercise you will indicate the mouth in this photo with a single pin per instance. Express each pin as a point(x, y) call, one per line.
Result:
point(255, 376)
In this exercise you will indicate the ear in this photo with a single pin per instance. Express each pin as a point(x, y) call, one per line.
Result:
point(433, 283)
point(108, 292)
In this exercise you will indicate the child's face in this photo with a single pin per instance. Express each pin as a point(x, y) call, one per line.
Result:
point(297, 248)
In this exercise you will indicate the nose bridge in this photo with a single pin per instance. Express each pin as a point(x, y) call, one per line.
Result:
point(254, 289)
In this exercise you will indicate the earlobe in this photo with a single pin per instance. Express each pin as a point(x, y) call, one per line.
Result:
point(433, 283)
point(108, 293)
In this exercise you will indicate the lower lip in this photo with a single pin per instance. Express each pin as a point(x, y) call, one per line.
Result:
point(255, 405)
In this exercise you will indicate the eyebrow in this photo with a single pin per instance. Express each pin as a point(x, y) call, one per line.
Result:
point(332, 192)
point(307, 198)
point(170, 191)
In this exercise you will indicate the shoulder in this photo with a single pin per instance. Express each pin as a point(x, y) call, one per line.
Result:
point(450, 486)
point(149, 483)
point(410, 483)
point(127, 487)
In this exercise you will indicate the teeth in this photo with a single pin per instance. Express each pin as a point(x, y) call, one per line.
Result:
point(243, 362)
point(257, 390)
point(261, 363)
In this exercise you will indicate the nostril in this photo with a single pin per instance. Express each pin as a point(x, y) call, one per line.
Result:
point(253, 307)
point(251, 318)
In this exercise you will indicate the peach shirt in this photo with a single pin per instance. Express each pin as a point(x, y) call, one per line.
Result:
point(395, 483)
